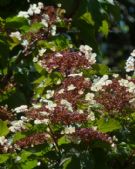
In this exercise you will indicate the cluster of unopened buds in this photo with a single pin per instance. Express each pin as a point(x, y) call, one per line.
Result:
point(68, 62)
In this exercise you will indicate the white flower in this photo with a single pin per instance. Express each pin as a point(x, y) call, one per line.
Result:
point(74, 75)
point(113, 145)
point(3, 140)
point(49, 104)
point(130, 64)
point(128, 84)
point(91, 116)
point(114, 138)
point(23, 118)
point(36, 106)
point(115, 75)
point(59, 5)
point(89, 96)
point(61, 91)
point(71, 87)
point(67, 104)
point(16, 34)
point(80, 92)
point(46, 17)
point(92, 58)
point(99, 83)
point(68, 130)
point(23, 14)
point(44, 113)
point(21, 108)
point(30, 12)
point(37, 11)
point(53, 30)
point(80, 111)
point(87, 50)
point(38, 163)
point(49, 94)
point(53, 48)
point(53, 27)
point(18, 158)
point(44, 22)
point(41, 51)
point(58, 82)
point(17, 126)
point(25, 43)
point(84, 48)
point(44, 121)
point(133, 53)
point(35, 59)
point(40, 5)
point(58, 55)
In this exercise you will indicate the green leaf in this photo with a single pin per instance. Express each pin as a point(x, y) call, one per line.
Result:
point(18, 136)
point(35, 27)
point(65, 163)
point(29, 164)
point(4, 52)
point(24, 155)
point(72, 163)
point(16, 22)
point(39, 80)
point(101, 69)
point(3, 128)
point(63, 140)
point(108, 125)
point(38, 68)
point(104, 28)
point(87, 17)
point(107, 1)
point(3, 158)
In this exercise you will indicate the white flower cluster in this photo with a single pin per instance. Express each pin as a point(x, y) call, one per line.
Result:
point(68, 130)
point(87, 50)
point(130, 63)
point(103, 81)
point(128, 84)
point(40, 54)
point(44, 121)
point(3, 140)
point(42, 51)
point(49, 94)
point(67, 104)
point(33, 9)
point(49, 104)
point(22, 108)
point(91, 116)
point(5, 143)
point(45, 20)
point(90, 98)
point(16, 35)
point(17, 125)
point(25, 43)
point(36, 9)
point(53, 30)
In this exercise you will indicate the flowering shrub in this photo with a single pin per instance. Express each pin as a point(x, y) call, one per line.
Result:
point(59, 108)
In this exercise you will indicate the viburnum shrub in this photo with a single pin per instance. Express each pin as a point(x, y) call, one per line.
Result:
point(59, 108)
